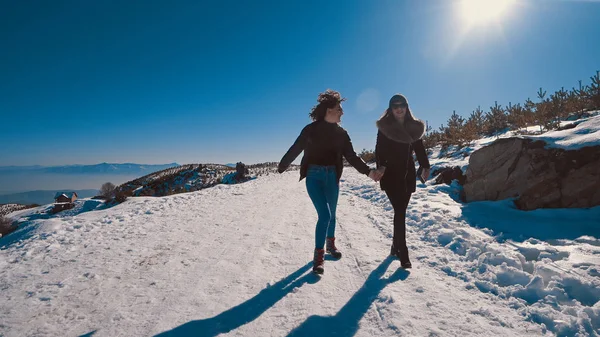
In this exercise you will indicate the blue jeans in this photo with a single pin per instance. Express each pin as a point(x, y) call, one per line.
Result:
point(323, 189)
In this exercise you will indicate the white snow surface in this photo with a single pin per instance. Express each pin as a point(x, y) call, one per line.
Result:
point(586, 133)
point(236, 259)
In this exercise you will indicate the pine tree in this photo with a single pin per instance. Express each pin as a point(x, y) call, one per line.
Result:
point(432, 138)
point(454, 131)
point(497, 120)
point(428, 127)
point(444, 139)
point(478, 119)
point(572, 102)
point(542, 110)
point(470, 130)
point(594, 92)
point(577, 100)
point(554, 110)
point(429, 140)
point(529, 112)
point(558, 105)
point(516, 116)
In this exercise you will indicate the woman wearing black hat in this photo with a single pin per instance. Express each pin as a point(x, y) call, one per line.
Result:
point(324, 143)
point(398, 137)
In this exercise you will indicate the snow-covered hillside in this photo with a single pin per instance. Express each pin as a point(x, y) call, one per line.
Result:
point(189, 178)
point(578, 134)
point(9, 208)
point(236, 259)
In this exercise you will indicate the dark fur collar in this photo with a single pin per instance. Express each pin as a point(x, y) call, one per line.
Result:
point(412, 130)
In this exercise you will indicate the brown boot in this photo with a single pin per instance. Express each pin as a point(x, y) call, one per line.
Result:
point(332, 249)
point(319, 261)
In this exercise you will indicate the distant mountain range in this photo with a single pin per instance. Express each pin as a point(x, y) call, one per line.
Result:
point(41, 197)
point(103, 168)
point(18, 179)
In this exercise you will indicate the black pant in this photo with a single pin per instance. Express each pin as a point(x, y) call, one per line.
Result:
point(399, 200)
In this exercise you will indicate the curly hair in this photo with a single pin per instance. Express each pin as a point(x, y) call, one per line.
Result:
point(327, 100)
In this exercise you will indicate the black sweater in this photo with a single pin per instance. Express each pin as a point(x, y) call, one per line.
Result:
point(324, 144)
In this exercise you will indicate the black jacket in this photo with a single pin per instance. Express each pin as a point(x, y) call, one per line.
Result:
point(397, 158)
point(322, 138)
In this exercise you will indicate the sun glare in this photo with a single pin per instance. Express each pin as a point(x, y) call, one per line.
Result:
point(480, 12)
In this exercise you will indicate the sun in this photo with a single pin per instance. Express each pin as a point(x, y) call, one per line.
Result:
point(481, 12)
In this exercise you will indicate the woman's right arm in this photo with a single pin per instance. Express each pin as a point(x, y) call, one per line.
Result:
point(421, 153)
point(294, 151)
point(380, 157)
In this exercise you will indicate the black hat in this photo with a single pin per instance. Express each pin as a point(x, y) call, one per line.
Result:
point(398, 98)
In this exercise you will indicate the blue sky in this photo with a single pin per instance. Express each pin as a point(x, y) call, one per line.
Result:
point(84, 82)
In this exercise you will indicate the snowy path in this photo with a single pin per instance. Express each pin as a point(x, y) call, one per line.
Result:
point(236, 259)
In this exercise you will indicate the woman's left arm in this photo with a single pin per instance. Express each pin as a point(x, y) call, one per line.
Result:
point(419, 149)
point(353, 159)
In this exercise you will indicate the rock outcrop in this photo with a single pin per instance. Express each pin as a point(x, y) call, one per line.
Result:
point(538, 177)
point(446, 175)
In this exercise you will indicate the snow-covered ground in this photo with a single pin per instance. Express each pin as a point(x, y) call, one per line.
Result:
point(236, 259)
point(585, 133)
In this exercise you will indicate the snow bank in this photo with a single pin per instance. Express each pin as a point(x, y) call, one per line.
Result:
point(585, 133)
point(544, 263)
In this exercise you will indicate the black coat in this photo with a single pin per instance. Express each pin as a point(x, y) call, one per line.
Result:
point(397, 157)
point(322, 137)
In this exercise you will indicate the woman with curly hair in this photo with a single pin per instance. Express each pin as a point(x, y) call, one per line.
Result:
point(398, 137)
point(324, 143)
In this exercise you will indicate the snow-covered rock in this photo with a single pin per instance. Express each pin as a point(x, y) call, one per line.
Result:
point(559, 169)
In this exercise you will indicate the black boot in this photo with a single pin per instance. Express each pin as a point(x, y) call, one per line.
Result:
point(402, 256)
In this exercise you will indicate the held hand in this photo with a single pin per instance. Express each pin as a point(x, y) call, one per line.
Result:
point(380, 173)
point(374, 175)
point(425, 174)
point(377, 174)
